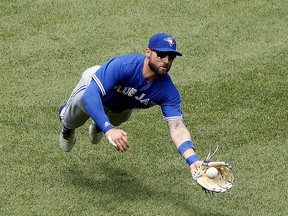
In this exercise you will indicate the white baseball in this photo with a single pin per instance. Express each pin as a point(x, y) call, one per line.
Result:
point(212, 172)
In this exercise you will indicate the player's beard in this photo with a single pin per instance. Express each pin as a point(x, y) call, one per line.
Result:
point(160, 72)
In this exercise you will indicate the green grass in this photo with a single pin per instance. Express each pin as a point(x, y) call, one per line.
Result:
point(232, 78)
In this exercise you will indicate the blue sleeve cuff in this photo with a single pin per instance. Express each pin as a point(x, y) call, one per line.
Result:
point(107, 128)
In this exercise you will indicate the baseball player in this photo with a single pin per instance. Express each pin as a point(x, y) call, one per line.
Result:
point(109, 93)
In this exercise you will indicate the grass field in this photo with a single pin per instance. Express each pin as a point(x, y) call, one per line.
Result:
point(232, 78)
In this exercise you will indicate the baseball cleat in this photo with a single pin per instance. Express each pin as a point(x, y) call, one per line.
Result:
point(67, 139)
point(95, 134)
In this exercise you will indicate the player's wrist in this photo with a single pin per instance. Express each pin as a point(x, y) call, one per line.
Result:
point(106, 129)
point(185, 146)
point(192, 159)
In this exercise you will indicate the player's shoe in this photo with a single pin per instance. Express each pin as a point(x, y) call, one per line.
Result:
point(95, 134)
point(67, 139)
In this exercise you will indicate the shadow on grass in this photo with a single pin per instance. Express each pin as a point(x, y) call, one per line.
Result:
point(114, 186)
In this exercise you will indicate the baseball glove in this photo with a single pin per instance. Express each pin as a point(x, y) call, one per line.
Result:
point(217, 182)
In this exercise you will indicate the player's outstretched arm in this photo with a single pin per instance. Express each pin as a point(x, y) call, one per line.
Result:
point(183, 142)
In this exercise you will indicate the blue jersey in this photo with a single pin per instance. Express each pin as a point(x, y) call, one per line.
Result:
point(120, 85)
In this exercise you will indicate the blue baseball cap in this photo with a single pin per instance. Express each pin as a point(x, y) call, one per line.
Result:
point(164, 43)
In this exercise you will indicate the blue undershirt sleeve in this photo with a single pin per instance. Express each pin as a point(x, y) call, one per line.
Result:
point(171, 108)
point(93, 105)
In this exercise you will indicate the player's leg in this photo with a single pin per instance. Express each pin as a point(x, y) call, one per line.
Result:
point(73, 114)
point(95, 133)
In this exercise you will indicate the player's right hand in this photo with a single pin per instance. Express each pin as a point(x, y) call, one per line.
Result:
point(193, 167)
point(118, 137)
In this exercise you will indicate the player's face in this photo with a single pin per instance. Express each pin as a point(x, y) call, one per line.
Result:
point(160, 62)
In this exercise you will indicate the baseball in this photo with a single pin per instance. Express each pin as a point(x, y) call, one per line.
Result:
point(212, 172)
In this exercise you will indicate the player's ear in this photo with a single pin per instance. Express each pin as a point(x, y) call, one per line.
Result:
point(148, 52)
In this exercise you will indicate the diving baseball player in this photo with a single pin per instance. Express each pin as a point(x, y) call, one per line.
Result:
point(109, 93)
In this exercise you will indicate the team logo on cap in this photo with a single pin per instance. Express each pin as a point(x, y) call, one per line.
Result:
point(170, 40)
